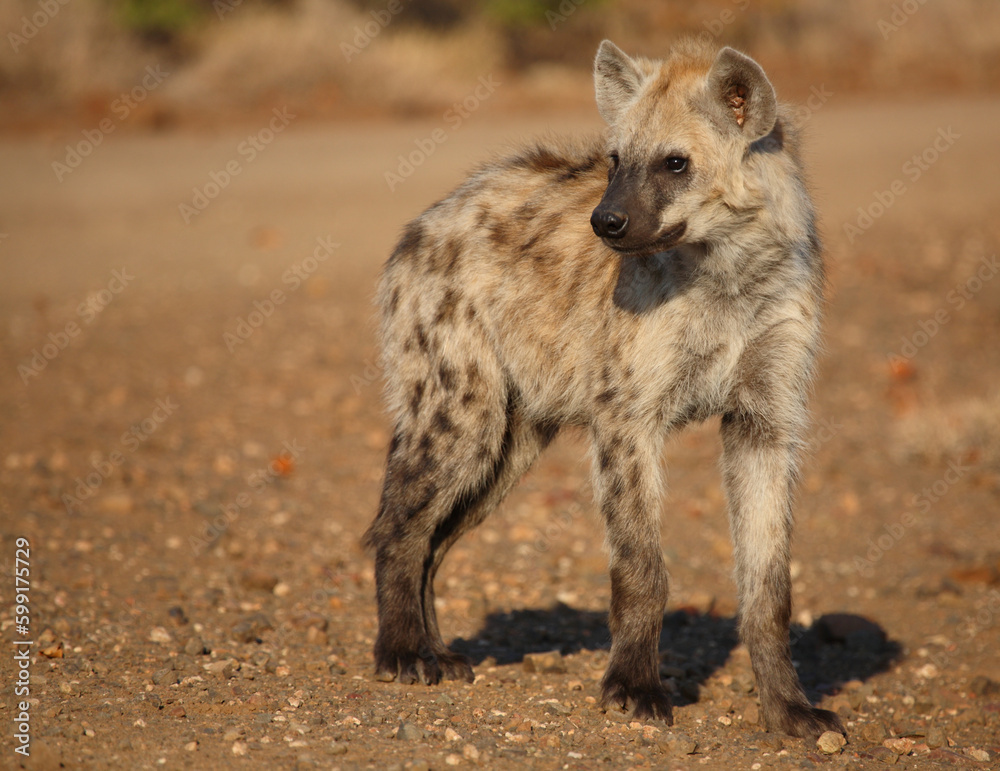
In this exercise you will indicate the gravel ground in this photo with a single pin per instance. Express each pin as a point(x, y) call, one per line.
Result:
point(193, 467)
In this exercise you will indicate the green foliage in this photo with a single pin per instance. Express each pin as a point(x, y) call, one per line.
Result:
point(159, 20)
point(523, 13)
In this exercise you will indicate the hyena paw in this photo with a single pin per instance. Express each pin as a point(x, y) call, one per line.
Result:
point(407, 666)
point(805, 721)
point(645, 702)
point(424, 665)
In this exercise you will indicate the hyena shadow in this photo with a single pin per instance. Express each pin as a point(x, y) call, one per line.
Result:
point(692, 646)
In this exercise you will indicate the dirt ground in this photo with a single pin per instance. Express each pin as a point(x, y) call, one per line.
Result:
point(193, 438)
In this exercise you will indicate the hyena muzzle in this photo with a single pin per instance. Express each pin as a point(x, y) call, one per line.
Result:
point(694, 290)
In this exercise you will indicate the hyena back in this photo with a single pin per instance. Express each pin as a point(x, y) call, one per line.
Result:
point(665, 273)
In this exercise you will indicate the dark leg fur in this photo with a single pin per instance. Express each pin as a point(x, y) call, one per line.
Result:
point(629, 501)
point(422, 514)
point(521, 447)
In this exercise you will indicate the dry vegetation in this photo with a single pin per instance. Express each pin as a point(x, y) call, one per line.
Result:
point(234, 56)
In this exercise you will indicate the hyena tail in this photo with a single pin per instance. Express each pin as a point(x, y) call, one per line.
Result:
point(460, 443)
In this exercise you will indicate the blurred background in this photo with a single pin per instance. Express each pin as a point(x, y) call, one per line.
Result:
point(72, 58)
point(196, 198)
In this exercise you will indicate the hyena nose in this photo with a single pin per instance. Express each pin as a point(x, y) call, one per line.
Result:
point(608, 223)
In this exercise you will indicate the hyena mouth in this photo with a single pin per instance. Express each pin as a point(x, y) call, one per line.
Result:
point(668, 240)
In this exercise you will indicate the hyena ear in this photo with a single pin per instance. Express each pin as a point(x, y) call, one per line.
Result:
point(741, 95)
point(617, 79)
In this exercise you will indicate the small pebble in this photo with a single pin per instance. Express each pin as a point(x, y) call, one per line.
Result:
point(858, 697)
point(884, 755)
point(545, 663)
point(767, 741)
point(831, 742)
point(250, 629)
point(841, 704)
point(408, 732)
point(936, 738)
point(259, 580)
point(165, 677)
point(874, 732)
point(470, 752)
point(338, 748)
point(226, 668)
point(177, 615)
point(900, 746)
point(337, 669)
point(678, 744)
point(195, 646)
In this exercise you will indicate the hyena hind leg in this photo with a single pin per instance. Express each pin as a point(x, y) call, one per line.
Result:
point(523, 443)
point(439, 483)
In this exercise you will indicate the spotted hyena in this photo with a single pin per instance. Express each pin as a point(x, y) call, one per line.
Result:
point(665, 273)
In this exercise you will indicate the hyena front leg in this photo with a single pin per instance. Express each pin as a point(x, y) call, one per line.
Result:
point(627, 469)
point(759, 469)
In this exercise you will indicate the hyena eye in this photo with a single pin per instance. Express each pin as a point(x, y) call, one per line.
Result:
point(676, 164)
point(613, 166)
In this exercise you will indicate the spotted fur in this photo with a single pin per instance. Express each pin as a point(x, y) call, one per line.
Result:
point(599, 284)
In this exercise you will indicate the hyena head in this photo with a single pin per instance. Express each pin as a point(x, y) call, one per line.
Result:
point(679, 135)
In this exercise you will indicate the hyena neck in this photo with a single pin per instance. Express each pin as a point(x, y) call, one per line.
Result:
point(739, 268)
